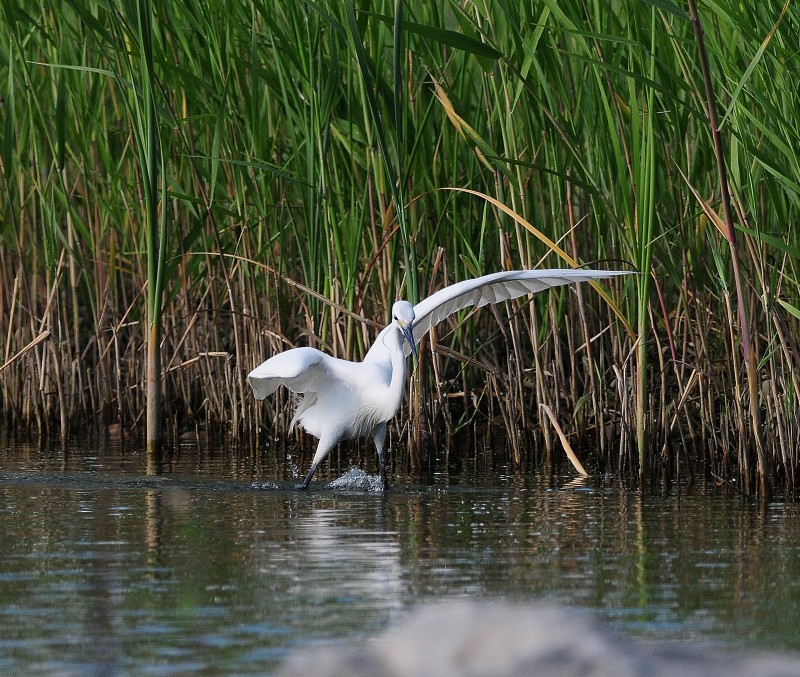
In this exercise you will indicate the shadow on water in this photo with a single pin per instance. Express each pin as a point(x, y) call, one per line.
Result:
point(210, 561)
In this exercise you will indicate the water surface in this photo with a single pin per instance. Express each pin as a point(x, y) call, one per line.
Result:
point(211, 563)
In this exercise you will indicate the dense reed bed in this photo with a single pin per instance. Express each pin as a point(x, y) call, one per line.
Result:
point(294, 167)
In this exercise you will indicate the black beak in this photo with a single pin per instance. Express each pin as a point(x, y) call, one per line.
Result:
point(408, 335)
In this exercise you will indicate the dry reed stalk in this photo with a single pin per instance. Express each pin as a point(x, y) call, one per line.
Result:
point(565, 442)
point(43, 336)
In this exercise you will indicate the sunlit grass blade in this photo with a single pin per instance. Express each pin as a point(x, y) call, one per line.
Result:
point(552, 246)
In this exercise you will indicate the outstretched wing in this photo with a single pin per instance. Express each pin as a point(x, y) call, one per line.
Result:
point(482, 291)
point(494, 288)
point(299, 369)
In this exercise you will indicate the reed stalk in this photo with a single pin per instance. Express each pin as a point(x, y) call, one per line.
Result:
point(748, 354)
point(145, 125)
point(643, 170)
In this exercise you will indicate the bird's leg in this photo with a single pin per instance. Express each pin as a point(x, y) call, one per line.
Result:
point(379, 437)
point(323, 449)
point(304, 485)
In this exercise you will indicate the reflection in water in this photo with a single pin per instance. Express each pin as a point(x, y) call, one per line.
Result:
point(329, 541)
point(105, 587)
point(107, 566)
point(154, 521)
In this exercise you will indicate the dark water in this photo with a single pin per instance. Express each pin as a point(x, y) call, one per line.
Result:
point(110, 567)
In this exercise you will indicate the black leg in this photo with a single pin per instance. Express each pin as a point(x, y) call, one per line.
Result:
point(307, 480)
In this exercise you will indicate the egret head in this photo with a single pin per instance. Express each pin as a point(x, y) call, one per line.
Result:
point(403, 317)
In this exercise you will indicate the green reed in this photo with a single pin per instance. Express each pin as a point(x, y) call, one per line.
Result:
point(141, 93)
point(300, 157)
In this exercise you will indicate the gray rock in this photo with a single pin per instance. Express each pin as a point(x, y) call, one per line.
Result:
point(468, 638)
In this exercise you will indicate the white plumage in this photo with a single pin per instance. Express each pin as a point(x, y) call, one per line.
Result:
point(343, 400)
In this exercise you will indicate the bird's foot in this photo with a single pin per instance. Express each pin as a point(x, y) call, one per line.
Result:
point(301, 487)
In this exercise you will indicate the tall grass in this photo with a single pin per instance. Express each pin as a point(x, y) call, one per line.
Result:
point(306, 156)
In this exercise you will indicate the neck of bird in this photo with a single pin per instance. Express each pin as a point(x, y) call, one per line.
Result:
point(398, 383)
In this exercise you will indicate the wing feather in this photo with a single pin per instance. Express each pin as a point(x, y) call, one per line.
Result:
point(299, 369)
point(482, 291)
point(494, 288)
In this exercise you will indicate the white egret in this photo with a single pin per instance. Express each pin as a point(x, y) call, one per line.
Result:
point(343, 400)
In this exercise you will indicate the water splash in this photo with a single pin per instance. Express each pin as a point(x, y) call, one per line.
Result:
point(356, 479)
point(258, 486)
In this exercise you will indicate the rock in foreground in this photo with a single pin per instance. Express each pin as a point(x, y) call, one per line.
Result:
point(496, 639)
